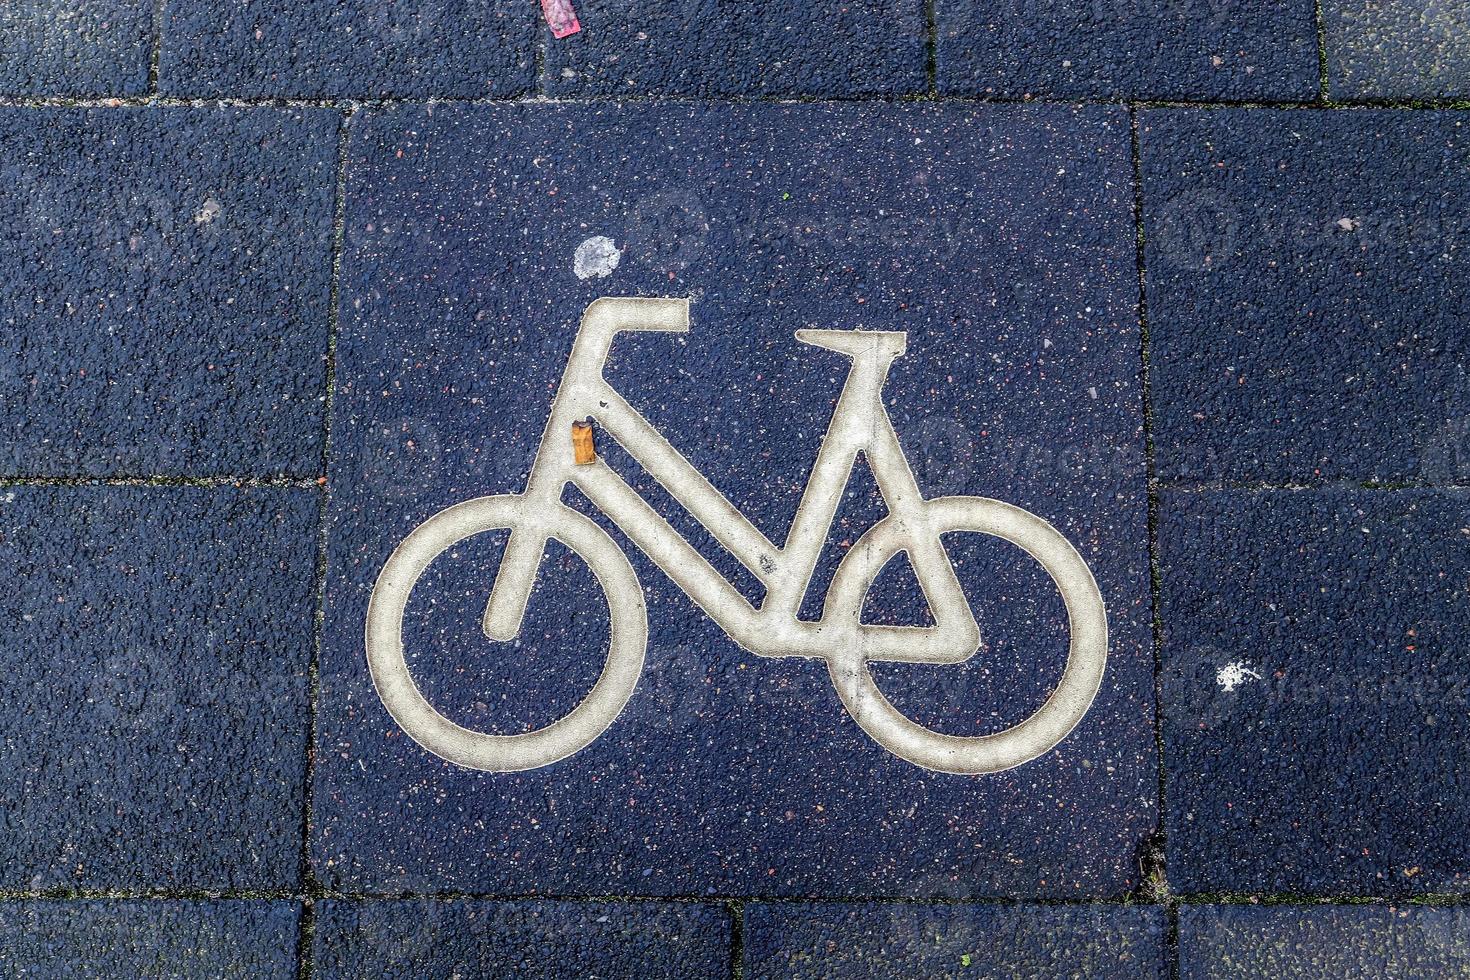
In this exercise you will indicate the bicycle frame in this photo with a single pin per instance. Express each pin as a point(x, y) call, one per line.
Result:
point(860, 423)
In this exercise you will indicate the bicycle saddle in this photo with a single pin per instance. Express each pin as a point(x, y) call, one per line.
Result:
point(854, 342)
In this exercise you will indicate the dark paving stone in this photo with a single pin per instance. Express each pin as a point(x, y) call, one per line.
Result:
point(1378, 50)
point(1323, 942)
point(75, 47)
point(693, 47)
point(1000, 238)
point(165, 303)
point(532, 939)
point(371, 49)
point(100, 940)
point(1340, 769)
point(155, 642)
point(1183, 49)
point(903, 940)
point(1307, 294)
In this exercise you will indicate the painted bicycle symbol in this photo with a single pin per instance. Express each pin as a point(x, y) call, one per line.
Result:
point(860, 423)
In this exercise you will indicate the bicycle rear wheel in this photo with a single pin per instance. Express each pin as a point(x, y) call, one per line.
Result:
point(1048, 725)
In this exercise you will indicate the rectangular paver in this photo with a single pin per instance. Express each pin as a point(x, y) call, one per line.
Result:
point(1179, 49)
point(325, 49)
point(1307, 292)
point(96, 940)
point(75, 47)
point(155, 641)
point(164, 308)
point(1315, 690)
point(1381, 50)
point(693, 48)
point(542, 939)
point(896, 941)
point(1000, 239)
point(1323, 942)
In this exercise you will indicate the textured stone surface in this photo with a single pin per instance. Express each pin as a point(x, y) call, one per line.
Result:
point(164, 308)
point(544, 940)
point(368, 49)
point(1323, 942)
point(155, 643)
point(1330, 760)
point(904, 940)
point(75, 47)
point(1001, 239)
point(100, 940)
point(1195, 49)
point(1307, 292)
point(1380, 50)
point(689, 47)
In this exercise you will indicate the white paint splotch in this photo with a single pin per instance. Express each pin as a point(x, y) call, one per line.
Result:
point(1232, 675)
point(596, 258)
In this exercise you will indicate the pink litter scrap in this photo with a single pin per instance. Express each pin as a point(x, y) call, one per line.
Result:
point(561, 16)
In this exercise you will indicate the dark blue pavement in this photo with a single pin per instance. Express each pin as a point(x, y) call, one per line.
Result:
point(172, 270)
point(550, 940)
point(291, 49)
point(686, 48)
point(157, 648)
point(282, 280)
point(1354, 710)
point(77, 48)
point(253, 940)
point(814, 941)
point(1283, 251)
point(1243, 50)
point(1323, 942)
point(1397, 51)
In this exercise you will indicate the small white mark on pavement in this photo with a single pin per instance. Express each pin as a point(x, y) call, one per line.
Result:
point(596, 258)
point(1233, 675)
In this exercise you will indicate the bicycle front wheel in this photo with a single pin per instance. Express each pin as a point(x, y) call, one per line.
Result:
point(1086, 656)
point(628, 636)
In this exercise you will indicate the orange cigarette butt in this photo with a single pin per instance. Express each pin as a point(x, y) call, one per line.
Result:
point(582, 448)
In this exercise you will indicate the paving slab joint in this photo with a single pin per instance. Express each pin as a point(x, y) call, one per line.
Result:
point(737, 939)
point(155, 55)
point(1323, 87)
point(1153, 880)
point(312, 884)
point(351, 105)
point(931, 48)
point(305, 940)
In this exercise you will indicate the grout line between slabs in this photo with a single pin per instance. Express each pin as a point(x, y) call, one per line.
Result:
point(538, 87)
point(317, 482)
point(736, 909)
point(931, 48)
point(306, 941)
point(1171, 939)
point(311, 886)
point(1323, 87)
point(155, 54)
point(1155, 883)
point(1265, 899)
point(535, 98)
point(1264, 487)
point(239, 482)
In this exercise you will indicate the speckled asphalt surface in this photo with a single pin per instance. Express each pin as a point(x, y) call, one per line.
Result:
point(283, 280)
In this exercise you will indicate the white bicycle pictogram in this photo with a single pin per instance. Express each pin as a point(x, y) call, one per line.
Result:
point(914, 525)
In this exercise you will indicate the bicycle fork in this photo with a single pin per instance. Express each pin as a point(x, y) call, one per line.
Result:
point(527, 543)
